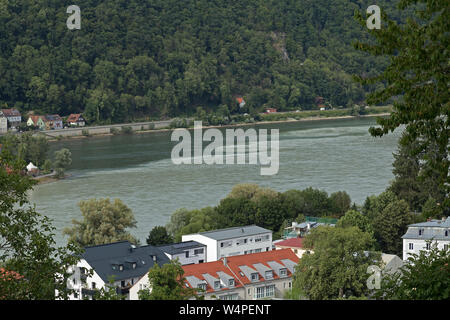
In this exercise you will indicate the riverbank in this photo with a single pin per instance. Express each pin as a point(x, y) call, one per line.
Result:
point(139, 128)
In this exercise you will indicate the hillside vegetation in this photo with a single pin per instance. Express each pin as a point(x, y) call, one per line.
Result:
point(162, 58)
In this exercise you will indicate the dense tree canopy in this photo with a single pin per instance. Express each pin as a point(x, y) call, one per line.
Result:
point(138, 58)
point(103, 222)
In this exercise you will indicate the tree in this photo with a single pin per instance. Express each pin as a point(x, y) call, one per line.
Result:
point(426, 276)
point(353, 218)
point(103, 222)
point(159, 236)
point(62, 161)
point(337, 268)
point(167, 283)
point(431, 209)
point(340, 203)
point(417, 78)
point(390, 225)
point(28, 253)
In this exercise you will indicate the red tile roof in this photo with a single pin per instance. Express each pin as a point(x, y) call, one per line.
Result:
point(293, 243)
point(11, 112)
point(239, 100)
point(235, 262)
point(36, 118)
point(197, 270)
point(73, 117)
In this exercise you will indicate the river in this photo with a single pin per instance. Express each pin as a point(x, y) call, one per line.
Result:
point(331, 155)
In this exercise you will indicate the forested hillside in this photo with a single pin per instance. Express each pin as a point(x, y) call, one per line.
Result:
point(163, 58)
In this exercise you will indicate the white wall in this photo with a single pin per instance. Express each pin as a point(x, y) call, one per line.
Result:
point(418, 245)
point(211, 245)
point(78, 285)
point(141, 284)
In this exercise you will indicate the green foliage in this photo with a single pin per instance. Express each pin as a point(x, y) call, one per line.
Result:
point(114, 131)
point(27, 246)
point(340, 203)
point(62, 161)
point(103, 222)
point(126, 130)
point(337, 267)
point(26, 147)
point(109, 292)
point(353, 218)
point(418, 78)
point(85, 132)
point(426, 276)
point(166, 58)
point(167, 283)
point(47, 167)
point(159, 236)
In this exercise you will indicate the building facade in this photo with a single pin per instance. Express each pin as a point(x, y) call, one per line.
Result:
point(416, 237)
point(3, 123)
point(76, 120)
point(256, 276)
point(233, 241)
point(120, 261)
point(14, 117)
point(189, 252)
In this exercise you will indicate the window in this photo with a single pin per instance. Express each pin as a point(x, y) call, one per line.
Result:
point(255, 277)
point(231, 283)
point(267, 248)
point(249, 291)
point(259, 292)
point(269, 274)
point(187, 254)
point(221, 244)
point(420, 232)
point(134, 265)
point(200, 261)
point(198, 251)
point(245, 240)
point(446, 233)
point(93, 285)
point(257, 250)
point(445, 246)
point(270, 291)
point(428, 246)
point(216, 284)
point(75, 295)
point(411, 246)
point(290, 284)
point(121, 267)
point(257, 239)
point(283, 272)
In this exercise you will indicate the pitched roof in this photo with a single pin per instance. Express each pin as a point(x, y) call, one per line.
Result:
point(292, 242)
point(103, 258)
point(35, 119)
point(208, 272)
point(11, 112)
point(234, 232)
point(74, 117)
point(262, 261)
point(53, 117)
point(434, 229)
point(180, 247)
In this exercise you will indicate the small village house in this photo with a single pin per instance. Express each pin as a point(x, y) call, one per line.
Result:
point(240, 101)
point(14, 117)
point(189, 252)
point(295, 244)
point(271, 110)
point(3, 123)
point(76, 120)
point(37, 121)
point(53, 122)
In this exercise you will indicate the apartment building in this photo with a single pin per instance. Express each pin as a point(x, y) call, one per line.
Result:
point(233, 241)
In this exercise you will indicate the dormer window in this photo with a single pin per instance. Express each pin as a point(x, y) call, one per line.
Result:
point(231, 283)
point(269, 274)
point(133, 265)
point(202, 286)
point(120, 267)
point(255, 277)
point(420, 232)
point(283, 272)
point(216, 284)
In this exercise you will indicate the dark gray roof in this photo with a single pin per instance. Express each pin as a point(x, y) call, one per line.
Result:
point(434, 229)
point(234, 232)
point(103, 257)
point(180, 247)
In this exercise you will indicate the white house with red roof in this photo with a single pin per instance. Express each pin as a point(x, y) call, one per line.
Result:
point(295, 244)
point(263, 275)
point(76, 119)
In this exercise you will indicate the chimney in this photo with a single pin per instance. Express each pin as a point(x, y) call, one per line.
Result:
point(225, 261)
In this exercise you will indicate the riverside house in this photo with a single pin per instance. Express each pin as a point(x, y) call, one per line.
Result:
point(3, 123)
point(14, 117)
point(37, 121)
point(76, 120)
point(53, 122)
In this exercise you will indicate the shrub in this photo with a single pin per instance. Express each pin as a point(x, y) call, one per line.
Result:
point(127, 130)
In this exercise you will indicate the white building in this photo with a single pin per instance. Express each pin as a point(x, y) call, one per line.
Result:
point(189, 252)
point(3, 123)
point(415, 238)
point(233, 241)
point(122, 261)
